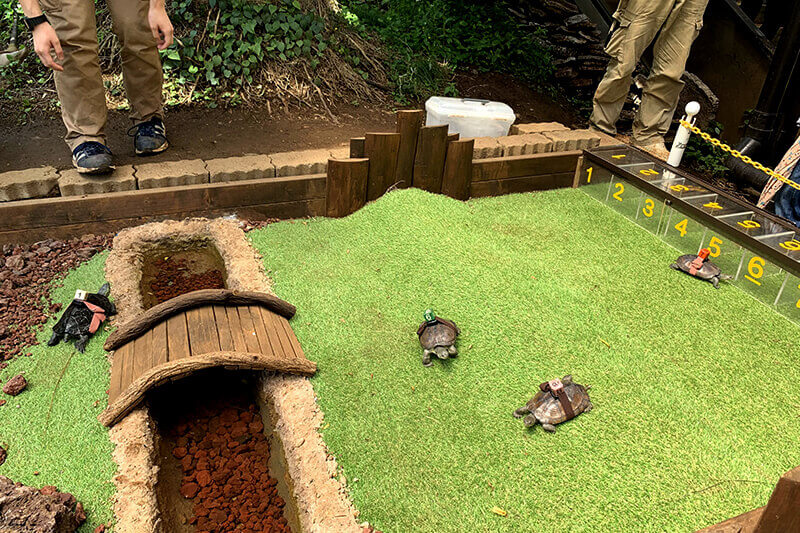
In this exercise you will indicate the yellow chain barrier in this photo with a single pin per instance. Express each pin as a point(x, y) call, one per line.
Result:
point(738, 155)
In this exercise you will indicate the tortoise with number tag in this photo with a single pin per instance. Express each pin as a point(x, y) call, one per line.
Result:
point(557, 401)
point(700, 267)
point(437, 337)
point(83, 317)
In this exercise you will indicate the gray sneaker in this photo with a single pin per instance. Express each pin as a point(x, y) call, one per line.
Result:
point(93, 157)
point(149, 137)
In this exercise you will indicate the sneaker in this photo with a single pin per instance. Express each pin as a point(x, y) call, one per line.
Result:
point(92, 157)
point(149, 137)
point(657, 149)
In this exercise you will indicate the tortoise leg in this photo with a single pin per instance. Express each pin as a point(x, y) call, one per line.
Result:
point(675, 266)
point(715, 282)
point(529, 421)
point(522, 411)
point(588, 407)
point(54, 339)
point(426, 358)
point(567, 380)
point(452, 351)
point(80, 344)
point(550, 428)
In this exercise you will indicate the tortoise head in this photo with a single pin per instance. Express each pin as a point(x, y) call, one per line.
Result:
point(429, 315)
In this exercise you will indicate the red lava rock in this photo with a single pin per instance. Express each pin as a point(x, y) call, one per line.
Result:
point(2, 403)
point(100, 529)
point(15, 385)
point(203, 478)
point(179, 452)
point(48, 490)
point(47, 510)
point(172, 278)
point(189, 490)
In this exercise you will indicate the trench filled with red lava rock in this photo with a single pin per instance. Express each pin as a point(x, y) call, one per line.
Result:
point(218, 471)
point(170, 272)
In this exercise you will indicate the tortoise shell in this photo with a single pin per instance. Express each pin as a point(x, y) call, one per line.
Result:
point(707, 271)
point(548, 409)
point(441, 333)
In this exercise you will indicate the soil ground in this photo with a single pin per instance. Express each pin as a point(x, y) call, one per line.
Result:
point(208, 133)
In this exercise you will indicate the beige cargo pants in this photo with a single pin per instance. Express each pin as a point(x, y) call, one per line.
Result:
point(80, 85)
point(639, 22)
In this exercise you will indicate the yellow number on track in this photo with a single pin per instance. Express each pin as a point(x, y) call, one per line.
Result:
point(712, 205)
point(589, 172)
point(713, 245)
point(649, 172)
point(621, 156)
point(749, 224)
point(620, 189)
point(679, 188)
point(649, 205)
point(791, 245)
point(681, 226)
point(756, 269)
point(798, 301)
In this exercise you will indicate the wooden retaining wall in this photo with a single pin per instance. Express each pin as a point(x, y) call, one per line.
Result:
point(413, 156)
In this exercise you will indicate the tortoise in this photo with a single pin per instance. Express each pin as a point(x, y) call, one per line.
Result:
point(546, 407)
point(437, 337)
point(83, 317)
point(700, 267)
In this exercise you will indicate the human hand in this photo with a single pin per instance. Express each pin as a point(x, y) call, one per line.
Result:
point(160, 25)
point(45, 40)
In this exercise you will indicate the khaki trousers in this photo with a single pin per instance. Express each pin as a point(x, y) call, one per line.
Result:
point(80, 85)
point(679, 21)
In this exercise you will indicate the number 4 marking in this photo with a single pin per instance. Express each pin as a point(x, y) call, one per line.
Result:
point(712, 205)
point(681, 226)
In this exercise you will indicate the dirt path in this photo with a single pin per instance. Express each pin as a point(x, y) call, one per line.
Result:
point(209, 133)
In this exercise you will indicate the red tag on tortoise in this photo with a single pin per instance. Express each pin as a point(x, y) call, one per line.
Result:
point(555, 386)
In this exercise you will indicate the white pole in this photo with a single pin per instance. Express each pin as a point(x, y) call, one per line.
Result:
point(682, 136)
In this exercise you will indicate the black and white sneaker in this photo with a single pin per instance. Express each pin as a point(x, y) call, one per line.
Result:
point(149, 137)
point(92, 157)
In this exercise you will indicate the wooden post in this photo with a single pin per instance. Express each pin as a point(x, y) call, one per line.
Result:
point(429, 162)
point(451, 137)
point(357, 147)
point(382, 150)
point(347, 186)
point(408, 125)
point(782, 512)
point(458, 169)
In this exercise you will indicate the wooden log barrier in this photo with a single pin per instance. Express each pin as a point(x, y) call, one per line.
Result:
point(429, 161)
point(357, 147)
point(347, 186)
point(408, 126)
point(458, 169)
point(382, 150)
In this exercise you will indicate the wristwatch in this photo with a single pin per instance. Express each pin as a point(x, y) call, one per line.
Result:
point(32, 22)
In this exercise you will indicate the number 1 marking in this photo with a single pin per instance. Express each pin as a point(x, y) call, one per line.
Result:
point(620, 189)
point(589, 172)
point(620, 156)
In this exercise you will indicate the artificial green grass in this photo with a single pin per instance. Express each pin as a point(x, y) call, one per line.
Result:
point(52, 428)
point(696, 399)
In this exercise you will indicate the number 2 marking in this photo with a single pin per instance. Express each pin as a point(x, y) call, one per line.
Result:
point(756, 269)
point(649, 205)
point(713, 245)
point(681, 226)
point(589, 172)
point(620, 189)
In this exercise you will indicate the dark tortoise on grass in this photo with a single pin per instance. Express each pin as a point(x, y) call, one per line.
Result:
point(83, 317)
point(700, 267)
point(437, 337)
point(557, 401)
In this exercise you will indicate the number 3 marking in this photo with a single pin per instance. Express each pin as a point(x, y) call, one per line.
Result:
point(713, 245)
point(649, 205)
point(681, 226)
point(620, 189)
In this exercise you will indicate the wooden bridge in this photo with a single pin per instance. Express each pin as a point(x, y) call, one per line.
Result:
point(201, 329)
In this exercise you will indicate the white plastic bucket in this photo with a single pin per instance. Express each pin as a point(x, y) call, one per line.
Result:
point(470, 117)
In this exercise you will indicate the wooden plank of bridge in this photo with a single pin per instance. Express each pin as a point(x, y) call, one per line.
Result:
point(261, 330)
point(223, 328)
point(429, 162)
point(409, 123)
point(239, 343)
point(347, 186)
point(382, 150)
point(178, 337)
point(249, 330)
point(458, 169)
point(203, 337)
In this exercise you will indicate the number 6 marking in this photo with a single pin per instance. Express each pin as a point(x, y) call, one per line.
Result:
point(649, 205)
point(756, 269)
point(620, 189)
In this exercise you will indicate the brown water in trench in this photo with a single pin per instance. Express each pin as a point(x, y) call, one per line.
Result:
point(219, 471)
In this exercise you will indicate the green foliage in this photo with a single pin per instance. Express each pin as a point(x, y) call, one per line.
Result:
point(226, 41)
point(429, 40)
point(705, 157)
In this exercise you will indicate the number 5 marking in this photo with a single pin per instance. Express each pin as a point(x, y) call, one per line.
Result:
point(749, 224)
point(681, 226)
point(649, 205)
point(756, 269)
point(589, 172)
point(679, 188)
point(713, 245)
point(620, 189)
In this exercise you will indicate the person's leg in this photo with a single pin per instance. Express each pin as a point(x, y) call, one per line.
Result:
point(80, 85)
point(639, 22)
point(141, 65)
point(663, 87)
